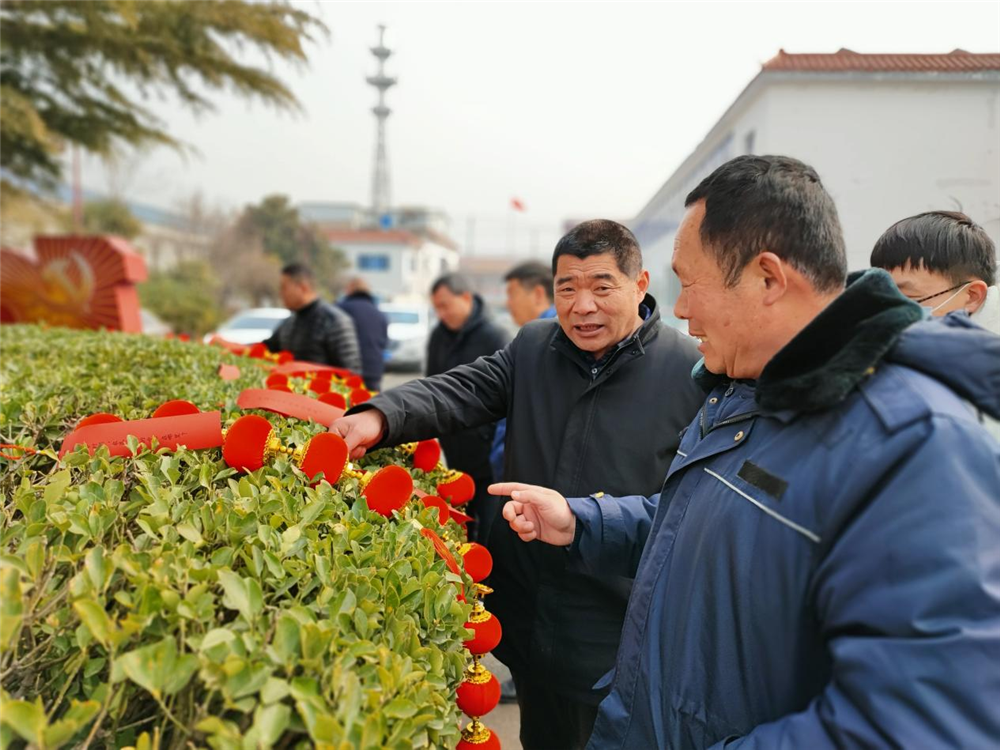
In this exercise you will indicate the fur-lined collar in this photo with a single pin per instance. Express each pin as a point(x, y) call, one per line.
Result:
point(837, 350)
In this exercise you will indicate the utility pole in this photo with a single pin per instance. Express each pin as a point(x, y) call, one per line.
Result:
point(380, 176)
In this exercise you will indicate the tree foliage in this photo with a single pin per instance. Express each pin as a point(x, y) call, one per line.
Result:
point(111, 217)
point(275, 223)
point(185, 297)
point(81, 72)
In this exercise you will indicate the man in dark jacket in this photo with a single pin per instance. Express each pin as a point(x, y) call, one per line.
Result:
point(464, 334)
point(594, 402)
point(372, 329)
point(315, 332)
point(821, 568)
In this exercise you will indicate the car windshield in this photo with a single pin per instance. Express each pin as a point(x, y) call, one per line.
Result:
point(400, 316)
point(250, 321)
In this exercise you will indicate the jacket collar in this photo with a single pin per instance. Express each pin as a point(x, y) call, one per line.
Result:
point(646, 333)
point(839, 348)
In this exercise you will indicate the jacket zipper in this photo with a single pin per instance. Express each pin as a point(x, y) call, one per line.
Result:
point(724, 422)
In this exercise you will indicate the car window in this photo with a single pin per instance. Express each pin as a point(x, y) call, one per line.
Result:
point(400, 316)
point(254, 322)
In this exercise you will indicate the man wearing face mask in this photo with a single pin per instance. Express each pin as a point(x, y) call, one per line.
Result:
point(944, 261)
point(594, 402)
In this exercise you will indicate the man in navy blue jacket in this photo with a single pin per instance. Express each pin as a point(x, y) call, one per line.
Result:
point(372, 329)
point(821, 568)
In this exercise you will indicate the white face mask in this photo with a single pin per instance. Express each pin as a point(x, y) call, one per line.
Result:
point(933, 310)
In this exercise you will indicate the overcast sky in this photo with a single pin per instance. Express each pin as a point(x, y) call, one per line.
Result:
point(579, 110)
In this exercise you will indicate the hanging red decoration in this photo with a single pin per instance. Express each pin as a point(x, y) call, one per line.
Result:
point(359, 396)
point(443, 552)
point(390, 489)
point(477, 560)
point(99, 418)
point(432, 501)
point(477, 737)
point(426, 455)
point(176, 408)
point(245, 444)
point(333, 398)
point(487, 632)
point(277, 380)
point(327, 453)
point(457, 488)
point(479, 693)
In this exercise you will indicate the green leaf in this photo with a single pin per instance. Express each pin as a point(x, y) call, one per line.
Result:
point(236, 595)
point(27, 719)
point(189, 532)
point(73, 721)
point(11, 608)
point(270, 722)
point(158, 668)
point(97, 621)
point(400, 708)
point(57, 486)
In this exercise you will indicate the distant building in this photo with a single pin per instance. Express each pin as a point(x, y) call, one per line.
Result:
point(399, 258)
point(486, 274)
point(399, 265)
point(890, 135)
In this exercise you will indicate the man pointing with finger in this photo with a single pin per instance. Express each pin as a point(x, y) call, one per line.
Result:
point(821, 567)
point(594, 402)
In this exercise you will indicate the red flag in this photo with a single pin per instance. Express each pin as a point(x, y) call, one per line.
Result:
point(517, 204)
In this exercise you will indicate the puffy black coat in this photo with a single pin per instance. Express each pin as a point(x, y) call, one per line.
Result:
point(467, 450)
point(319, 333)
point(373, 335)
point(575, 431)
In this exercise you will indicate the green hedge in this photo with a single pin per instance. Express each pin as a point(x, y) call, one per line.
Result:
point(162, 599)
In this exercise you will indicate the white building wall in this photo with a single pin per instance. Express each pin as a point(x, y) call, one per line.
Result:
point(885, 148)
point(409, 269)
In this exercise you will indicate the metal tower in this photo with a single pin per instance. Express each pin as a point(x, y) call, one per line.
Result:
point(380, 177)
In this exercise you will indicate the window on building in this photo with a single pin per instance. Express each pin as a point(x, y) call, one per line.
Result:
point(373, 262)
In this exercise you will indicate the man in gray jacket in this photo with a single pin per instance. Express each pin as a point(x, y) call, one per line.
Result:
point(594, 402)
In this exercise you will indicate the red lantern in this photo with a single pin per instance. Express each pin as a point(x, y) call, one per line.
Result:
point(477, 560)
point(319, 386)
point(354, 381)
point(257, 351)
point(426, 455)
point(477, 737)
point(245, 446)
point(390, 489)
point(276, 381)
point(175, 408)
point(458, 488)
point(327, 453)
point(334, 399)
point(479, 695)
point(487, 632)
point(100, 418)
point(359, 396)
point(284, 356)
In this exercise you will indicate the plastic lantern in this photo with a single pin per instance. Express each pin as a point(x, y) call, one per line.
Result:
point(477, 560)
point(257, 351)
point(277, 381)
point(359, 396)
point(480, 696)
point(389, 489)
point(100, 418)
point(319, 386)
point(486, 628)
point(175, 408)
point(354, 381)
point(251, 442)
point(457, 488)
point(334, 399)
point(477, 737)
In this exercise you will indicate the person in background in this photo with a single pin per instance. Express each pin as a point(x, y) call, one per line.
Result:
point(372, 328)
point(947, 263)
point(529, 297)
point(595, 400)
point(463, 334)
point(944, 261)
point(820, 568)
point(316, 332)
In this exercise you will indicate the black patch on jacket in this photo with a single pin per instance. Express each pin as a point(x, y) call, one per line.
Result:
point(762, 479)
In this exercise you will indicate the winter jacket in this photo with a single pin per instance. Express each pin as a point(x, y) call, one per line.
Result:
point(319, 333)
point(578, 427)
point(372, 329)
point(467, 450)
point(822, 566)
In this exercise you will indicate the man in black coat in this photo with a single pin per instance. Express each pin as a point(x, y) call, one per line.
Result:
point(464, 334)
point(372, 329)
point(316, 331)
point(595, 402)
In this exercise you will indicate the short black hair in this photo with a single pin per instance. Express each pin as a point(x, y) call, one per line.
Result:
point(946, 242)
point(600, 236)
point(456, 283)
point(531, 274)
point(299, 272)
point(756, 204)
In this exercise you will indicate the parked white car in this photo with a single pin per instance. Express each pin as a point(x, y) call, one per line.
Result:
point(251, 326)
point(409, 329)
